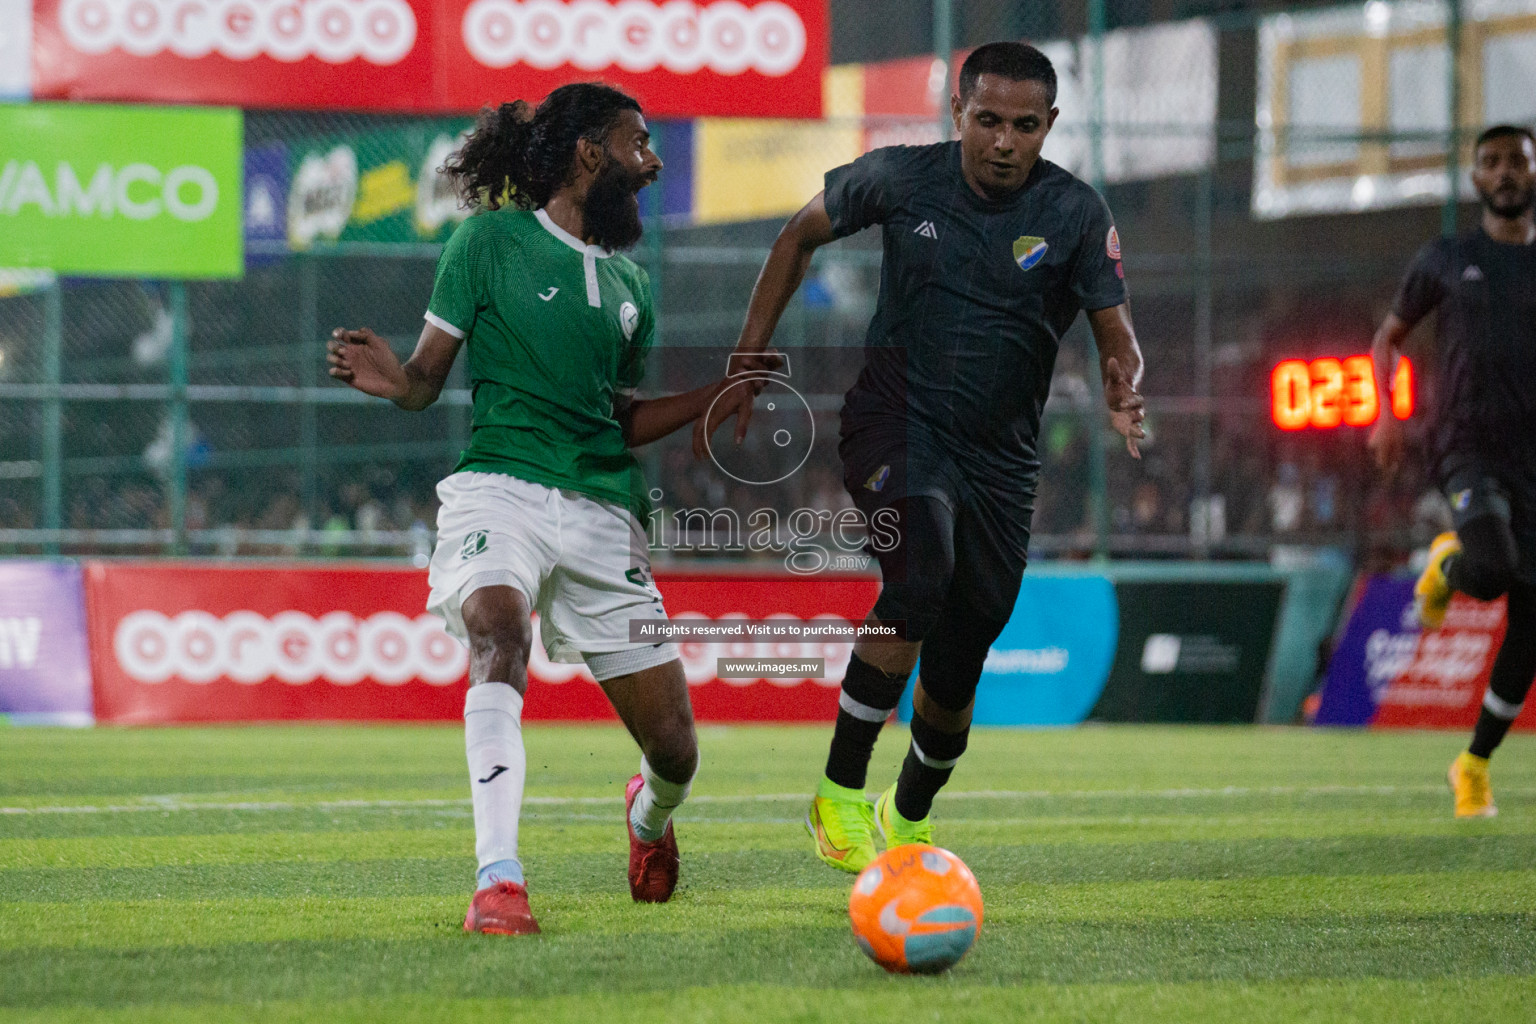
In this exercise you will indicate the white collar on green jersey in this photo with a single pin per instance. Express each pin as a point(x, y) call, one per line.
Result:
point(568, 238)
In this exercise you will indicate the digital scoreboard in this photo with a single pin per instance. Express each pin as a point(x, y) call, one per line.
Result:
point(1326, 393)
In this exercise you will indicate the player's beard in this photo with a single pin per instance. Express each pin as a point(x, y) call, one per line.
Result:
point(611, 210)
point(1508, 203)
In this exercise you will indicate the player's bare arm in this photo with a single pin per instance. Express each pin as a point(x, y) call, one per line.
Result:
point(365, 361)
point(1121, 367)
point(1386, 441)
point(649, 419)
point(785, 268)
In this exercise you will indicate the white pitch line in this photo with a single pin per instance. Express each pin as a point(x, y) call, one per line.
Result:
point(168, 803)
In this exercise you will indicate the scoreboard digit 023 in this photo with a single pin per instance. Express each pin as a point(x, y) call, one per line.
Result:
point(1326, 393)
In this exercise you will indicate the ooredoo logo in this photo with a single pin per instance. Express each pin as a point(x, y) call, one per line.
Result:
point(336, 31)
point(636, 35)
point(249, 648)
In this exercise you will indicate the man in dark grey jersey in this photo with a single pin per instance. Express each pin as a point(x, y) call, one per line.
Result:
point(1483, 440)
point(990, 253)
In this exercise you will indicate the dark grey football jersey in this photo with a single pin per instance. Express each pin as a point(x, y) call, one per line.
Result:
point(974, 297)
point(1485, 408)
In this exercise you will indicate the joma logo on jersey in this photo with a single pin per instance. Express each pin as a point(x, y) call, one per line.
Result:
point(1028, 250)
point(474, 544)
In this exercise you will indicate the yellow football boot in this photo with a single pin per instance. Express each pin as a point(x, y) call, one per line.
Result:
point(898, 831)
point(1432, 593)
point(842, 823)
point(1469, 782)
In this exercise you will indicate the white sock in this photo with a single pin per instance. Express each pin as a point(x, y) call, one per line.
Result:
point(493, 741)
point(655, 803)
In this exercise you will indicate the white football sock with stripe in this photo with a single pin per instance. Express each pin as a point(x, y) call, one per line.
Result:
point(493, 741)
point(655, 803)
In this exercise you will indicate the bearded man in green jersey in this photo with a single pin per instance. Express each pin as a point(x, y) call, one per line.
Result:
point(544, 511)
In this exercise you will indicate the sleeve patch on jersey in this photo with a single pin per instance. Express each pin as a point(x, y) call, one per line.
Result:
point(1112, 243)
point(629, 319)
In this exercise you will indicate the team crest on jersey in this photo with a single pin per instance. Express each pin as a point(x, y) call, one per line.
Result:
point(877, 479)
point(1461, 500)
point(1028, 250)
point(1112, 243)
point(629, 319)
point(474, 544)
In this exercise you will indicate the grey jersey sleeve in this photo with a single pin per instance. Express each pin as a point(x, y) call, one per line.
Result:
point(1423, 287)
point(1098, 278)
point(861, 193)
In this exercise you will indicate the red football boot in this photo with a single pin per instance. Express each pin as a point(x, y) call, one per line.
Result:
point(501, 909)
point(652, 866)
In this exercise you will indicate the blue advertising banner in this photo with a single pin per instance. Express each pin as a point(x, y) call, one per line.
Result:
point(45, 671)
point(266, 203)
point(1051, 662)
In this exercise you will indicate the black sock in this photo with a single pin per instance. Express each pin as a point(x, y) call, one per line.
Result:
point(1488, 733)
point(1510, 680)
point(1448, 570)
point(930, 762)
point(868, 698)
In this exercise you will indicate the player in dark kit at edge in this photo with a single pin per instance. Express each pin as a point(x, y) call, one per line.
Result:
point(989, 254)
point(1484, 429)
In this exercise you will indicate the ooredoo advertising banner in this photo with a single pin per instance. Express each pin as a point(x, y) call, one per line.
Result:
point(121, 191)
point(680, 58)
point(45, 675)
point(1386, 671)
point(195, 643)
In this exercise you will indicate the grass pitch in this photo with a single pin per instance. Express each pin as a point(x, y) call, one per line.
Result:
point(1135, 874)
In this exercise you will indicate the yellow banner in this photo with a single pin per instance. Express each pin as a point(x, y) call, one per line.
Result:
point(748, 169)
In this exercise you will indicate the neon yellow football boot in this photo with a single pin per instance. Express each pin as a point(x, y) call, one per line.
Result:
point(1432, 593)
point(1469, 782)
point(898, 831)
point(842, 823)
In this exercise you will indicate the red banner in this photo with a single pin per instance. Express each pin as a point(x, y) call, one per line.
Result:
point(200, 643)
point(680, 58)
point(1440, 679)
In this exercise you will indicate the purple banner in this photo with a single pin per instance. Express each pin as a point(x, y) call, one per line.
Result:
point(1378, 644)
point(45, 669)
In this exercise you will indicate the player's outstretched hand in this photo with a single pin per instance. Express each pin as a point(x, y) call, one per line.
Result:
point(1386, 443)
point(365, 361)
point(1127, 409)
point(735, 397)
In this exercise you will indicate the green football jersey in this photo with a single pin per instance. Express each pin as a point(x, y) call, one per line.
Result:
point(555, 329)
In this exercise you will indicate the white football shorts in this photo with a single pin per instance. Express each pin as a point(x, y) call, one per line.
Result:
point(583, 564)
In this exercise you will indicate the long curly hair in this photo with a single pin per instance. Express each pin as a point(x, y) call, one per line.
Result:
point(519, 155)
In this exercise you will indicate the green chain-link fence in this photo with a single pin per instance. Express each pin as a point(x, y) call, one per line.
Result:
point(1270, 175)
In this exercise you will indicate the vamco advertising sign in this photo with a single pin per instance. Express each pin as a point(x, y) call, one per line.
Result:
point(679, 57)
point(121, 191)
